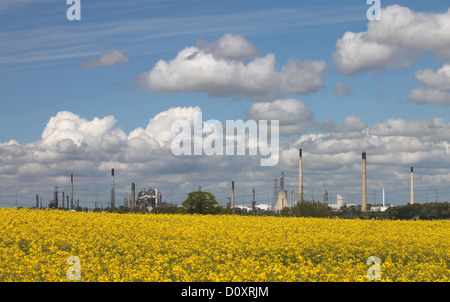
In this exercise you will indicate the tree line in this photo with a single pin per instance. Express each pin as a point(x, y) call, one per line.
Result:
point(201, 202)
point(205, 203)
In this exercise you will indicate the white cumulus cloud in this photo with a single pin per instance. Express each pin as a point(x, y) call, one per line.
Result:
point(352, 125)
point(293, 116)
point(68, 132)
point(395, 41)
point(229, 46)
point(89, 148)
point(219, 70)
point(159, 127)
point(437, 80)
point(438, 88)
point(429, 96)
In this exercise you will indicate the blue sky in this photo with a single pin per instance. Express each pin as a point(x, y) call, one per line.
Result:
point(41, 74)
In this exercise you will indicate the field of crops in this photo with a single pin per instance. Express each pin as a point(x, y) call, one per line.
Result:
point(36, 244)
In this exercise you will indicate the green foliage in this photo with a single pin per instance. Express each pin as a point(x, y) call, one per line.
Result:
point(224, 211)
point(425, 211)
point(165, 210)
point(349, 212)
point(201, 203)
point(307, 209)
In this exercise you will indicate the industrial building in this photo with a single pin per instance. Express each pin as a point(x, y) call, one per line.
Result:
point(380, 207)
point(152, 198)
point(148, 199)
point(282, 200)
point(340, 202)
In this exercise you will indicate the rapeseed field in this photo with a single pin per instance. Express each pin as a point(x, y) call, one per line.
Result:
point(36, 244)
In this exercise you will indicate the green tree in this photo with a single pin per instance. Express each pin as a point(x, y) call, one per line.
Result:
point(167, 210)
point(202, 203)
point(307, 209)
point(427, 211)
point(348, 212)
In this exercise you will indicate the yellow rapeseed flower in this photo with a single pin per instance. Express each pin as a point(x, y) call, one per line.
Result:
point(36, 244)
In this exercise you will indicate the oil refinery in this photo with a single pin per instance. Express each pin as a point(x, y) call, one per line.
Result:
point(148, 198)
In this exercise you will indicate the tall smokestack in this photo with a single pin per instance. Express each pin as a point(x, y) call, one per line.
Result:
point(37, 201)
point(253, 200)
point(232, 194)
point(412, 185)
point(364, 183)
point(133, 193)
point(71, 191)
point(55, 197)
point(113, 193)
point(300, 176)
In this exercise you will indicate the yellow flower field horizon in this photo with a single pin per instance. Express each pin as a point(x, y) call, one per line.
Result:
point(35, 245)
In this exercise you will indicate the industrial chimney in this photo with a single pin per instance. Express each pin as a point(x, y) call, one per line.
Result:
point(253, 200)
point(282, 200)
point(300, 176)
point(364, 183)
point(412, 185)
point(55, 197)
point(71, 191)
point(133, 194)
point(113, 191)
point(232, 194)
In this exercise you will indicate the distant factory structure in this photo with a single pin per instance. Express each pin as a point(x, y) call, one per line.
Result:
point(145, 199)
point(254, 205)
point(412, 185)
point(57, 203)
point(340, 202)
point(282, 201)
point(300, 175)
point(149, 198)
point(380, 208)
point(364, 183)
point(113, 191)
